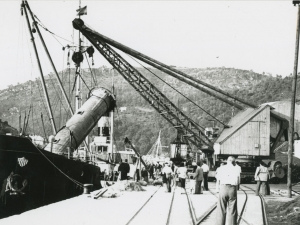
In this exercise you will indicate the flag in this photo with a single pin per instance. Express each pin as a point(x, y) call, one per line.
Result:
point(82, 11)
point(22, 161)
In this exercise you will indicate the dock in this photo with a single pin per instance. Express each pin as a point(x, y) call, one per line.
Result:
point(152, 206)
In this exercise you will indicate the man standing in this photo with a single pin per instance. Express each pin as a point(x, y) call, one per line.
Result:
point(124, 168)
point(182, 174)
point(198, 178)
point(229, 181)
point(205, 169)
point(168, 173)
point(151, 171)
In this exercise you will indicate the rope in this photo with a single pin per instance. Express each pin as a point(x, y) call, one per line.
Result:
point(53, 34)
point(73, 180)
point(42, 99)
point(57, 93)
point(76, 77)
point(90, 69)
point(179, 92)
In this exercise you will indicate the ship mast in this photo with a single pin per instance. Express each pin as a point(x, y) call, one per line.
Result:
point(78, 70)
point(50, 59)
point(40, 69)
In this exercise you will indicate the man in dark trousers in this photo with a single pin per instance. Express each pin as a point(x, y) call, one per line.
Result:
point(151, 170)
point(198, 178)
point(205, 169)
point(227, 202)
point(124, 168)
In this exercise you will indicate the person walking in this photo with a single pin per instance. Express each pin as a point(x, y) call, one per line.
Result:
point(261, 176)
point(182, 174)
point(151, 171)
point(198, 178)
point(227, 201)
point(167, 173)
point(124, 168)
point(205, 169)
point(144, 174)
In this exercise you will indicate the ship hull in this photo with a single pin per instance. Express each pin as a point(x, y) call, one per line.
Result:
point(49, 176)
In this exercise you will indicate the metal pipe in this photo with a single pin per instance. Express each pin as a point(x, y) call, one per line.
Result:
point(142, 56)
point(136, 152)
point(82, 122)
point(41, 74)
point(292, 113)
point(50, 59)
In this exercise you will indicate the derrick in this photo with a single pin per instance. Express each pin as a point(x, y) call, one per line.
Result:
point(147, 90)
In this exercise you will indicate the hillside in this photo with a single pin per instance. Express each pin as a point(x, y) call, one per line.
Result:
point(140, 122)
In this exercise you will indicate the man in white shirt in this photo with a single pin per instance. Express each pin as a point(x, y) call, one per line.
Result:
point(205, 169)
point(168, 173)
point(182, 174)
point(229, 181)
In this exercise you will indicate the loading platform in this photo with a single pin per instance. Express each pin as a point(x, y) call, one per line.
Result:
point(153, 206)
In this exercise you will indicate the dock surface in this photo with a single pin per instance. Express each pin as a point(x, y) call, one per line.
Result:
point(153, 206)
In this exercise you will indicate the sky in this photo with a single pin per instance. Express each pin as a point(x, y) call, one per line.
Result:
point(250, 35)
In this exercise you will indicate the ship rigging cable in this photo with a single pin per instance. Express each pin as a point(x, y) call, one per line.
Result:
point(92, 74)
point(53, 34)
point(179, 92)
point(70, 178)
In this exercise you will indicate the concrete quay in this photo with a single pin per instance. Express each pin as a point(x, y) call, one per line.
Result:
point(153, 206)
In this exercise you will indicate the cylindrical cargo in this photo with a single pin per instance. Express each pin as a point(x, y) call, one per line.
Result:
point(82, 122)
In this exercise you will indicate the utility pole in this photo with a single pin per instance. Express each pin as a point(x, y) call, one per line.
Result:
point(293, 101)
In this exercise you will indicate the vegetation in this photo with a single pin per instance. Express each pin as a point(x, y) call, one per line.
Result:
point(139, 122)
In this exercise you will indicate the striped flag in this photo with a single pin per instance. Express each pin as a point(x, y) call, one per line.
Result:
point(22, 161)
point(82, 11)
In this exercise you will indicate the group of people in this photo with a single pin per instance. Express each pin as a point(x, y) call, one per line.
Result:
point(173, 172)
point(228, 182)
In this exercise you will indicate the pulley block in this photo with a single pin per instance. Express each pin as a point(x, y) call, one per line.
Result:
point(90, 50)
point(77, 57)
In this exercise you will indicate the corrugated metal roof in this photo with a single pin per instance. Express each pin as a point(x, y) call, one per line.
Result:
point(238, 121)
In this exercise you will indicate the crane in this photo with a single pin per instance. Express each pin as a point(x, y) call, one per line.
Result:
point(193, 132)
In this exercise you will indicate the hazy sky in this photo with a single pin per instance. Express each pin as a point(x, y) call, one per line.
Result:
point(241, 34)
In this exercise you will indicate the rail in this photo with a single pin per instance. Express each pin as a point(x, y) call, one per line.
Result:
point(263, 206)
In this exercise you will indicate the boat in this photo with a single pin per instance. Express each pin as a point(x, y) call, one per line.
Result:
point(31, 176)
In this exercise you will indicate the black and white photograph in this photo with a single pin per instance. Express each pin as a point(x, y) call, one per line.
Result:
point(149, 112)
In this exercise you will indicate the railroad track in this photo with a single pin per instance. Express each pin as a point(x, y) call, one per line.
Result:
point(169, 201)
point(163, 208)
point(208, 218)
point(263, 206)
point(140, 209)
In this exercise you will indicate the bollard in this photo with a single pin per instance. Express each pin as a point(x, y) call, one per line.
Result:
point(87, 188)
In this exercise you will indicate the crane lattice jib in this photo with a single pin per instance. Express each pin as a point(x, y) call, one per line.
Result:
point(146, 89)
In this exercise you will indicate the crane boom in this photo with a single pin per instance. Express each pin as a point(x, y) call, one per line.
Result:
point(168, 69)
point(147, 90)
